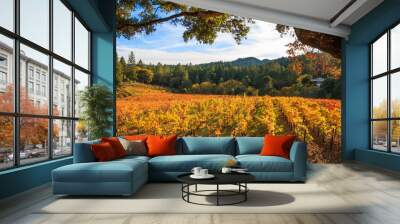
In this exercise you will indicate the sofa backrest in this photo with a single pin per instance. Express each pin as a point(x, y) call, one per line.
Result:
point(83, 152)
point(190, 146)
point(206, 145)
point(249, 145)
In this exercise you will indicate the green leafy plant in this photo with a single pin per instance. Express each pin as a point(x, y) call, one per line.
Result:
point(97, 103)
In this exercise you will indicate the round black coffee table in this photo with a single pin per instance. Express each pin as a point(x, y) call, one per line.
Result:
point(238, 179)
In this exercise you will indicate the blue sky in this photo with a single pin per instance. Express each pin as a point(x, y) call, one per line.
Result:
point(166, 45)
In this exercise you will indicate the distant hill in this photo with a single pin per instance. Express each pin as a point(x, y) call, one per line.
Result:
point(250, 61)
point(247, 61)
point(244, 62)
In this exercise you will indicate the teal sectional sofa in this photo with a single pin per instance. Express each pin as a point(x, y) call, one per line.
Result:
point(125, 176)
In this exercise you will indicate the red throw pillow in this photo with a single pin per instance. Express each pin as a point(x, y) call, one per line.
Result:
point(116, 145)
point(161, 145)
point(103, 152)
point(277, 145)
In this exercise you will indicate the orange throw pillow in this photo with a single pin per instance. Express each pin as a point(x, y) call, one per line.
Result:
point(277, 145)
point(116, 145)
point(161, 145)
point(103, 152)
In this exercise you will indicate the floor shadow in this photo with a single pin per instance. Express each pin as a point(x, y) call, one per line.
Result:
point(375, 172)
point(256, 198)
point(94, 197)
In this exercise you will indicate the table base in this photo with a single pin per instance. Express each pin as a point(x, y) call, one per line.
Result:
point(241, 191)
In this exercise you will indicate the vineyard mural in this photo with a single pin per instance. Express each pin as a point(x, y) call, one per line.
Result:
point(194, 72)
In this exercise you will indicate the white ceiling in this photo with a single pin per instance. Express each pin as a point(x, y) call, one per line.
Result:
point(315, 15)
point(320, 9)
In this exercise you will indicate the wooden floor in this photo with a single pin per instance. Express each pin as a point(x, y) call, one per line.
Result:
point(378, 189)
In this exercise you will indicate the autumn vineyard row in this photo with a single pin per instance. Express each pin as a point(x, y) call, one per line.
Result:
point(316, 121)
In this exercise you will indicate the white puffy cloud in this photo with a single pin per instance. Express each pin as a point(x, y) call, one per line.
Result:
point(263, 41)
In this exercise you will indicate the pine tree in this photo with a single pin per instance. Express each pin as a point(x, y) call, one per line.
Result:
point(131, 58)
point(119, 71)
point(122, 63)
point(140, 63)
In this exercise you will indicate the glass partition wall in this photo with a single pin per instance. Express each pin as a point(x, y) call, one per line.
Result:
point(385, 91)
point(44, 65)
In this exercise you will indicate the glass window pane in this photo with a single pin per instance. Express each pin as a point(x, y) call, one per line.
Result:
point(62, 29)
point(81, 82)
point(7, 14)
point(379, 55)
point(81, 131)
point(395, 136)
point(395, 47)
point(6, 74)
point(6, 142)
point(379, 97)
point(34, 97)
point(33, 140)
point(62, 89)
point(81, 45)
point(35, 21)
point(379, 135)
point(395, 94)
point(62, 138)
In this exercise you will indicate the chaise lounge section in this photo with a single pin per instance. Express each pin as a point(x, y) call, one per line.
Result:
point(87, 177)
point(125, 176)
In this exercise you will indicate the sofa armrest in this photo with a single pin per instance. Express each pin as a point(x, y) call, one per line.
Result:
point(298, 155)
point(83, 152)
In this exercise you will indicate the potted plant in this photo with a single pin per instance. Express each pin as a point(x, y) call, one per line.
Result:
point(96, 102)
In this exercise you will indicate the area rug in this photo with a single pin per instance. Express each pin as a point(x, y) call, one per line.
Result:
point(166, 198)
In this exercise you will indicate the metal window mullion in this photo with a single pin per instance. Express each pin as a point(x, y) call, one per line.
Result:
point(115, 85)
point(50, 139)
point(16, 85)
point(7, 33)
point(73, 82)
point(384, 119)
point(54, 117)
point(371, 133)
point(389, 100)
point(90, 62)
point(385, 73)
point(90, 68)
point(50, 81)
point(371, 89)
point(84, 70)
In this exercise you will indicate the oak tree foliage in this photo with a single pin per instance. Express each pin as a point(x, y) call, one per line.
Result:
point(306, 39)
point(142, 17)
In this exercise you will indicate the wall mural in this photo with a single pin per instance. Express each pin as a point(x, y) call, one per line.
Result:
point(194, 72)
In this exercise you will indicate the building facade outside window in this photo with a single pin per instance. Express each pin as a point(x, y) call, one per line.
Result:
point(385, 94)
point(44, 106)
point(3, 78)
point(3, 61)
point(30, 87)
point(31, 76)
point(37, 90)
point(3, 72)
